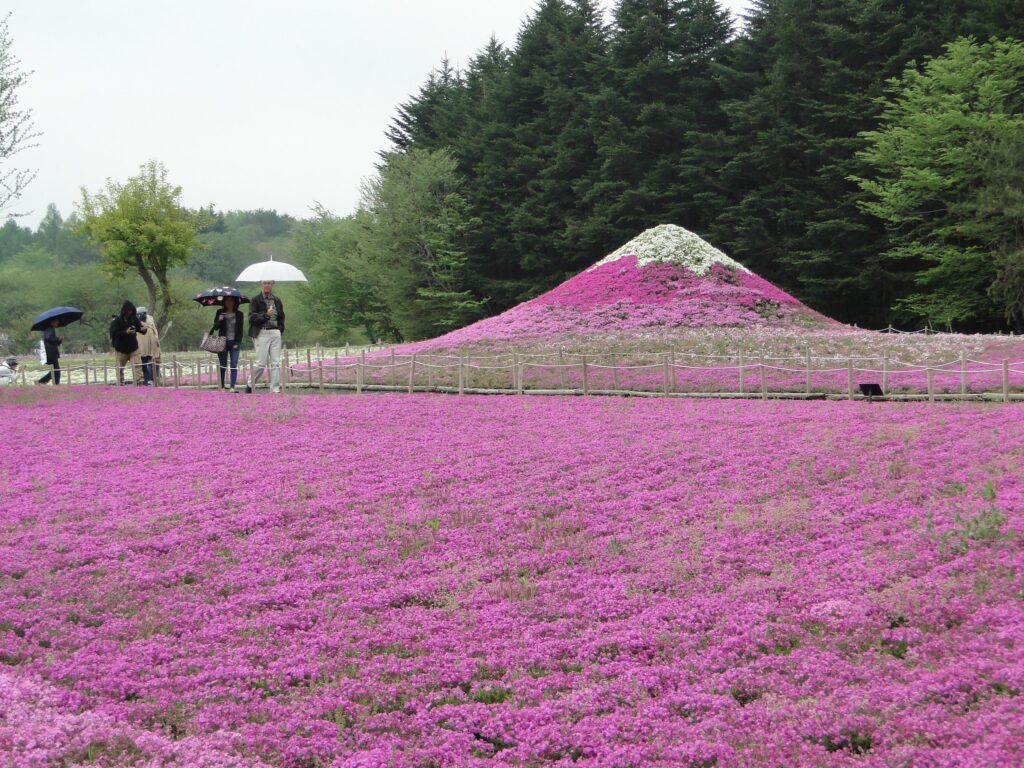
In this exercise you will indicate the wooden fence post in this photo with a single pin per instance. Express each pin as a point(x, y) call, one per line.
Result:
point(764, 382)
point(320, 372)
point(462, 381)
point(664, 364)
point(931, 384)
point(743, 374)
point(359, 377)
point(885, 374)
point(394, 371)
point(807, 375)
point(586, 387)
point(849, 378)
point(1006, 380)
point(412, 370)
point(672, 356)
point(561, 369)
point(963, 373)
point(515, 371)
point(519, 389)
point(615, 373)
point(309, 368)
point(174, 363)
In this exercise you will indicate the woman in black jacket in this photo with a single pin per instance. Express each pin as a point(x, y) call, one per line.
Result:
point(51, 343)
point(229, 324)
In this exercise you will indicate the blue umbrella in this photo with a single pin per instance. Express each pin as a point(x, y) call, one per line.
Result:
point(64, 315)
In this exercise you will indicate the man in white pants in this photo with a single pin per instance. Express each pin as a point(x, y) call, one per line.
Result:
point(266, 324)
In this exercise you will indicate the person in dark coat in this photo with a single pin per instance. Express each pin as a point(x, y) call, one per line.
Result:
point(124, 335)
point(266, 324)
point(51, 343)
point(229, 323)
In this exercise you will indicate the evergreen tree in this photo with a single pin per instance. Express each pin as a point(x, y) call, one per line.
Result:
point(656, 115)
point(430, 120)
point(13, 238)
point(482, 150)
point(805, 82)
point(554, 73)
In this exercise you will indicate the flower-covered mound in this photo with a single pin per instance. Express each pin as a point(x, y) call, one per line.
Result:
point(667, 278)
point(188, 578)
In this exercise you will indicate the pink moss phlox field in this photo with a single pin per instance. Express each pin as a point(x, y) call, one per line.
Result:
point(622, 296)
point(191, 578)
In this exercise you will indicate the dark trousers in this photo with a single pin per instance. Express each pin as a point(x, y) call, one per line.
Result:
point(54, 374)
point(232, 353)
point(147, 369)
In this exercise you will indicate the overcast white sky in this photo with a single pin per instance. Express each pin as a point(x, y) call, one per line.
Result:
point(248, 103)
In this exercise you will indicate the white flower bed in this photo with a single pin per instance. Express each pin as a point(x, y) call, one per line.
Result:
point(674, 245)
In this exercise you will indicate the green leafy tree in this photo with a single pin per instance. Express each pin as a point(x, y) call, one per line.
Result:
point(345, 290)
point(940, 176)
point(17, 131)
point(415, 221)
point(36, 279)
point(804, 82)
point(1003, 195)
point(143, 228)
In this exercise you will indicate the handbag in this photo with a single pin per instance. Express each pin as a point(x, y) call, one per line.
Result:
point(213, 343)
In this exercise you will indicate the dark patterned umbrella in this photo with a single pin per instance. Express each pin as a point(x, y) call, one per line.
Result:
point(215, 296)
point(64, 316)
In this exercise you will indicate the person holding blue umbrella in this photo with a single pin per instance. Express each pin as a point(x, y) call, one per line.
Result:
point(48, 322)
point(51, 343)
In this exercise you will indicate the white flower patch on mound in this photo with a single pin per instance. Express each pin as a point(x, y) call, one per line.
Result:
point(674, 245)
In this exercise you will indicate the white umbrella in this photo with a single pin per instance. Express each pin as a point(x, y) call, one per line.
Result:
point(271, 270)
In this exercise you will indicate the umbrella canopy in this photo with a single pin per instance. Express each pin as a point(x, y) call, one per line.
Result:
point(64, 315)
point(216, 296)
point(271, 270)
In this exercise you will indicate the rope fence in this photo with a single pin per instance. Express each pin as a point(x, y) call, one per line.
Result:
point(616, 373)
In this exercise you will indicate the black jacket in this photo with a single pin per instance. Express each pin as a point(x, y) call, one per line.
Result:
point(51, 343)
point(258, 314)
point(220, 325)
point(124, 341)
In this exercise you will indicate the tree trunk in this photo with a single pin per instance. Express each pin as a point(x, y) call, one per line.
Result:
point(147, 278)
